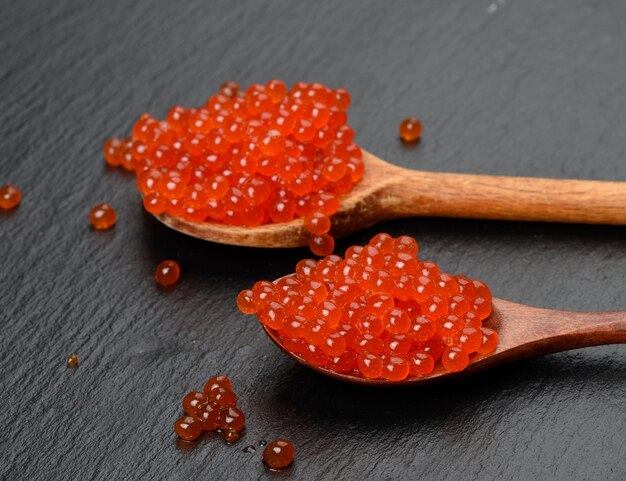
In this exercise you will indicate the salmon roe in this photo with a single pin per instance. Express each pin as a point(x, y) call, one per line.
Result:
point(279, 454)
point(411, 130)
point(248, 157)
point(10, 197)
point(102, 217)
point(188, 428)
point(213, 409)
point(167, 273)
point(72, 360)
point(230, 436)
point(379, 312)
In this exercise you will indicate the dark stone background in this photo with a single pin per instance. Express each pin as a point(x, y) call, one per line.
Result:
point(509, 87)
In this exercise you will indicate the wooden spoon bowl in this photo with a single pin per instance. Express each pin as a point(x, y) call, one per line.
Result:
point(523, 331)
point(387, 192)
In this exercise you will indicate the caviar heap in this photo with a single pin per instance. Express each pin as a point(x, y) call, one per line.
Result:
point(380, 312)
point(10, 197)
point(263, 155)
point(214, 408)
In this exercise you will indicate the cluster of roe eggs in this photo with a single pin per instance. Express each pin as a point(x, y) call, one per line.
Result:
point(214, 408)
point(248, 157)
point(380, 312)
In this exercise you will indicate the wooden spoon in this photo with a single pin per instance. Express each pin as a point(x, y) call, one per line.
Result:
point(388, 192)
point(523, 331)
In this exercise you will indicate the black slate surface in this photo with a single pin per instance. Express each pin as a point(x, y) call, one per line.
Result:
point(528, 88)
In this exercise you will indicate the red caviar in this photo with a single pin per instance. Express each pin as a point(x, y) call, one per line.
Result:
point(231, 418)
point(10, 197)
point(167, 273)
point(72, 360)
point(194, 401)
point(216, 382)
point(380, 312)
point(102, 217)
point(188, 428)
point(230, 436)
point(279, 454)
point(411, 130)
point(261, 155)
point(211, 410)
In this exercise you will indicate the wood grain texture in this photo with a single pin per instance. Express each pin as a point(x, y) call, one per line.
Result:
point(495, 197)
point(532, 89)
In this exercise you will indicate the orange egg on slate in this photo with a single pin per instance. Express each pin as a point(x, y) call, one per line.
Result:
point(188, 428)
point(10, 197)
point(279, 454)
point(410, 130)
point(102, 217)
point(167, 273)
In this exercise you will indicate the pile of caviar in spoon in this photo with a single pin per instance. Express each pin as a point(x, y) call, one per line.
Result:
point(380, 312)
point(247, 158)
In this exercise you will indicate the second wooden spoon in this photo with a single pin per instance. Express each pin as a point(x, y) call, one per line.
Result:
point(523, 331)
point(388, 192)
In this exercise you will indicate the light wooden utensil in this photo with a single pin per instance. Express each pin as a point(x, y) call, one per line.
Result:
point(523, 332)
point(389, 192)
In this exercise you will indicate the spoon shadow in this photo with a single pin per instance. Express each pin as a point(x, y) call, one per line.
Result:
point(202, 258)
point(330, 403)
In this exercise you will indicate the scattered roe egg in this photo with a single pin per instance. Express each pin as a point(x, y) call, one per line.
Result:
point(379, 312)
point(167, 273)
point(278, 454)
point(212, 409)
point(10, 197)
point(102, 217)
point(72, 360)
point(248, 157)
point(411, 130)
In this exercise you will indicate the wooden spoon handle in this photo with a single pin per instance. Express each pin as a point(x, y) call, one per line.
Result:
point(532, 331)
point(507, 198)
